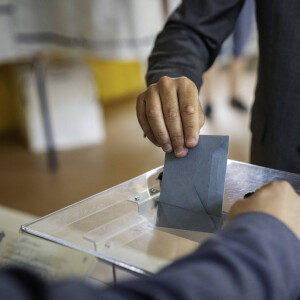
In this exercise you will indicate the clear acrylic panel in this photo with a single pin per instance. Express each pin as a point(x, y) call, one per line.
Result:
point(118, 226)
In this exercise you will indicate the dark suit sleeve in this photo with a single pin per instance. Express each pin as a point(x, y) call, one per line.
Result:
point(254, 257)
point(191, 39)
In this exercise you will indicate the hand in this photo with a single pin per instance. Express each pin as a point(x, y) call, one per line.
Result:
point(277, 199)
point(170, 114)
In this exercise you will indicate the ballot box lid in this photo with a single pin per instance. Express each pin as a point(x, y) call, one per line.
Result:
point(120, 226)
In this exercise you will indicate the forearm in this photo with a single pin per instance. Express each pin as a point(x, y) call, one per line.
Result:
point(255, 257)
point(192, 38)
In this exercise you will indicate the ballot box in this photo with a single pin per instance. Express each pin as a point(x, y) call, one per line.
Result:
point(120, 226)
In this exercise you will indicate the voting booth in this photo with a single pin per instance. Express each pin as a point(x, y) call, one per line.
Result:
point(121, 228)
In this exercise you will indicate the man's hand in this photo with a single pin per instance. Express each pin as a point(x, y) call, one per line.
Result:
point(277, 199)
point(170, 114)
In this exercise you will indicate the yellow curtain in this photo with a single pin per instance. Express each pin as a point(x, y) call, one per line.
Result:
point(116, 79)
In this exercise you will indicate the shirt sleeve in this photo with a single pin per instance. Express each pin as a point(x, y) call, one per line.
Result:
point(254, 257)
point(192, 38)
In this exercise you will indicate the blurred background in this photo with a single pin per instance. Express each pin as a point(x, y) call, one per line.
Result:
point(70, 72)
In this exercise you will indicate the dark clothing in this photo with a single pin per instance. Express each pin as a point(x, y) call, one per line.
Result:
point(243, 29)
point(254, 257)
point(191, 40)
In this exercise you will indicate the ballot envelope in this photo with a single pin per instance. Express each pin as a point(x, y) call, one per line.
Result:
point(122, 229)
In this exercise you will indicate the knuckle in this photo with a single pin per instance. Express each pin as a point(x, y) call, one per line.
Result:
point(152, 89)
point(171, 114)
point(152, 114)
point(190, 126)
point(177, 138)
point(283, 185)
point(188, 109)
point(161, 136)
point(186, 84)
point(165, 81)
point(184, 81)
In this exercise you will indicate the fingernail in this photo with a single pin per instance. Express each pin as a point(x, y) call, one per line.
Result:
point(180, 151)
point(167, 148)
point(190, 141)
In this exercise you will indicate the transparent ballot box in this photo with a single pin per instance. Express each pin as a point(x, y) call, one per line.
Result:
point(122, 228)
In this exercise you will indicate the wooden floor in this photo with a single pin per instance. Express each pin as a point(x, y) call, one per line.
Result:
point(27, 184)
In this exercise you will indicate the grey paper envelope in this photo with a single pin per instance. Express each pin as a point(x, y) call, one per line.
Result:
point(176, 217)
point(196, 182)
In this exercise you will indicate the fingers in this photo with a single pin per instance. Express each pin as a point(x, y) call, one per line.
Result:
point(170, 114)
point(156, 119)
point(142, 118)
point(191, 113)
point(275, 198)
point(234, 210)
point(253, 202)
